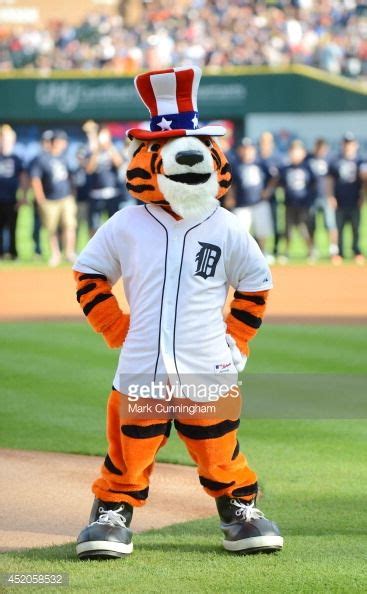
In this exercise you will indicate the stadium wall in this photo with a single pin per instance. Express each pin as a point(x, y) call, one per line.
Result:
point(74, 97)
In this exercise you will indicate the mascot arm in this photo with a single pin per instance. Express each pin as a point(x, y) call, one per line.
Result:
point(243, 322)
point(96, 270)
point(101, 308)
point(249, 273)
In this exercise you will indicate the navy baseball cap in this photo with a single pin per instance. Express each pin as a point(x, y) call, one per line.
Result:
point(60, 134)
point(349, 137)
point(246, 141)
point(47, 135)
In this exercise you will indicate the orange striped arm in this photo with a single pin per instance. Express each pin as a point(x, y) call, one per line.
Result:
point(245, 317)
point(101, 308)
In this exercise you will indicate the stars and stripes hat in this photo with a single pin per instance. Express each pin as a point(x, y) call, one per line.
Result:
point(171, 97)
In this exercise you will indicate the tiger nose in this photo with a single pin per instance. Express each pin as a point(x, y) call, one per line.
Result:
point(189, 157)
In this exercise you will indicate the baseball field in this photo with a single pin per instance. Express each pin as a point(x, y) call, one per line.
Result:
point(56, 375)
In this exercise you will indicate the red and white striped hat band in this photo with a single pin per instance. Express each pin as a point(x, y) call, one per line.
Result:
point(171, 97)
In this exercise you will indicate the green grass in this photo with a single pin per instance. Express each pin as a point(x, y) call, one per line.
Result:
point(55, 379)
point(318, 558)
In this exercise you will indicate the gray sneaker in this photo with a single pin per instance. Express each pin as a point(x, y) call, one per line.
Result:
point(108, 534)
point(245, 528)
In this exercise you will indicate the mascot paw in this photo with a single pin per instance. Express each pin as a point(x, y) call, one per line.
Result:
point(239, 360)
point(115, 334)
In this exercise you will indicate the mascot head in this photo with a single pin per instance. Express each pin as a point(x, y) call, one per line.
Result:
point(176, 164)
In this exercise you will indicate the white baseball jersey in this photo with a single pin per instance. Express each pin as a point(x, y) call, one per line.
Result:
point(176, 276)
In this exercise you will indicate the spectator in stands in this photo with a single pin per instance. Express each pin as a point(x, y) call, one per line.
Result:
point(319, 163)
point(52, 186)
point(12, 177)
point(252, 191)
point(298, 182)
point(346, 193)
point(271, 161)
point(102, 166)
point(212, 33)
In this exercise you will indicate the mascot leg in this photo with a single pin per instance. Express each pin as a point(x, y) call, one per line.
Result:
point(226, 476)
point(132, 448)
point(214, 447)
point(123, 483)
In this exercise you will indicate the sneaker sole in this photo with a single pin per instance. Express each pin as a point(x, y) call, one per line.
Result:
point(103, 549)
point(255, 544)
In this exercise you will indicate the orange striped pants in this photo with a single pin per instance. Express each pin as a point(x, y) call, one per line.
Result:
point(133, 445)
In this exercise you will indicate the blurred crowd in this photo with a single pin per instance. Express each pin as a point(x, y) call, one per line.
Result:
point(330, 34)
point(272, 193)
point(64, 193)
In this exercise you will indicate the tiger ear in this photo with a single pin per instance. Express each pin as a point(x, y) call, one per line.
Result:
point(133, 146)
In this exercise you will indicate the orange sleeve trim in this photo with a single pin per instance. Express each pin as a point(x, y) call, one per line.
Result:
point(101, 308)
point(245, 317)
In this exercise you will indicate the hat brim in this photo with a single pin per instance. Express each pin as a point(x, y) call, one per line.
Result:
point(142, 134)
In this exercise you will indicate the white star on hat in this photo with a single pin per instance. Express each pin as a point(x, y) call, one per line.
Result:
point(195, 121)
point(165, 124)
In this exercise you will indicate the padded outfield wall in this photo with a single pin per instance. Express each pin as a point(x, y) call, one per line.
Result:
point(299, 100)
point(71, 97)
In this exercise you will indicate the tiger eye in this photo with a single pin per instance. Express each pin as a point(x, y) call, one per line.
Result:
point(207, 143)
point(155, 147)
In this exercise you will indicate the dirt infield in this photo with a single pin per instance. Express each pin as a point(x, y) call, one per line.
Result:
point(302, 294)
point(51, 496)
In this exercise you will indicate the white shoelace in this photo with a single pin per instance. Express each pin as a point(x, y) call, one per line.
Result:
point(111, 516)
point(247, 512)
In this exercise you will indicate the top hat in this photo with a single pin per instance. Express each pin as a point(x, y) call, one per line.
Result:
point(171, 97)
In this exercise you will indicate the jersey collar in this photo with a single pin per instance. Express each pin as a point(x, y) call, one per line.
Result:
point(170, 223)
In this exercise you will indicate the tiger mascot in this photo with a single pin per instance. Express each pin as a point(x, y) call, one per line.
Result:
point(177, 255)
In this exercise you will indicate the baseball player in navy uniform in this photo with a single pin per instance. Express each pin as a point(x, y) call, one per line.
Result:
point(319, 161)
point(251, 182)
point(346, 193)
point(51, 178)
point(102, 166)
point(12, 177)
point(299, 183)
point(177, 255)
point(271, 161)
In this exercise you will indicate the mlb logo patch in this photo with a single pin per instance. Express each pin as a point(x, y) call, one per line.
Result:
point(222, 367)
